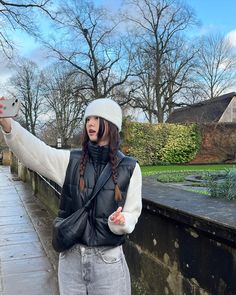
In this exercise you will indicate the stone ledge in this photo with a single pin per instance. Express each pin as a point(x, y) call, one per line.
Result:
point(214, 216)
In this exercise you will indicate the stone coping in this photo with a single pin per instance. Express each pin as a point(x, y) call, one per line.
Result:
point(214, 216)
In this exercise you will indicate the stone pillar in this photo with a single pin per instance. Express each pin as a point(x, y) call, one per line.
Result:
point(6, 160)
point(22, 171)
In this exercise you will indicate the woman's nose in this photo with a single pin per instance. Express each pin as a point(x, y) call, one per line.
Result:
point(91, 122)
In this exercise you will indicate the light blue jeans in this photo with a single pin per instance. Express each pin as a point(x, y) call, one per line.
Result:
point(86, 270)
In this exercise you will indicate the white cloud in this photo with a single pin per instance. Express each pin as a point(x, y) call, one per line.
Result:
point(28, 49)
point(5, 73)
point(207, 29)
point(40, 55)
point(231, 36)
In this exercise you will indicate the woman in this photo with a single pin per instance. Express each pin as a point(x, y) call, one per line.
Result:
point(96, 264)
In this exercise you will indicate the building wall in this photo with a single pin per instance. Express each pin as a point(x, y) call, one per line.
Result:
point(229, 114)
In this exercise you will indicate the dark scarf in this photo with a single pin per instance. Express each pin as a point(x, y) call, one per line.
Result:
point(99, 155)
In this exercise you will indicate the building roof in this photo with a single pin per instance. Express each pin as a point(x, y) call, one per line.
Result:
point(206, 111)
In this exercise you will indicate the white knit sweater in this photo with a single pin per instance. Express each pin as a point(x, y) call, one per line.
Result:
point(52, 163)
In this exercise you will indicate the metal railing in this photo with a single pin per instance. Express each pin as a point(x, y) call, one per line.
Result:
point(52, 184)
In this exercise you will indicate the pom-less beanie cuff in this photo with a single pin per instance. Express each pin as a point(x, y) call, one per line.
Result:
point(107, 109)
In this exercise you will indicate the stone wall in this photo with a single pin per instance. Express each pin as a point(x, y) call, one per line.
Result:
point(218, 144)
point(169, 256)
point(42, 187)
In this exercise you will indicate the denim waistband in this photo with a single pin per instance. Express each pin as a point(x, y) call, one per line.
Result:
point(80, 248)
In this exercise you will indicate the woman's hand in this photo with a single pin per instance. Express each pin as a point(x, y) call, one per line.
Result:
point(4, 122)
point(117, 217)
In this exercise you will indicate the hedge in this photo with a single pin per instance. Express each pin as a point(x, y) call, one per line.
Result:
point(153, 144)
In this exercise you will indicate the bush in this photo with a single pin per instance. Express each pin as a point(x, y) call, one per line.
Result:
point(225, 187)
point(144, 142)
point(182, 144)
point(154, 144)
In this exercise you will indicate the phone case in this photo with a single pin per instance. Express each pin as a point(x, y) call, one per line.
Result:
point(9, 108)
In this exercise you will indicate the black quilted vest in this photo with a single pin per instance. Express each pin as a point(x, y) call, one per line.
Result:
point(97, 232)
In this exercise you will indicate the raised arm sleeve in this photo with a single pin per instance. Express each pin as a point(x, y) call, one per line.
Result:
point(36, 155)
point(133, 205)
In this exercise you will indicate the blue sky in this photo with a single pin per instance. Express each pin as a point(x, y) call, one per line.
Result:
point(214, 15)
point(218, 14)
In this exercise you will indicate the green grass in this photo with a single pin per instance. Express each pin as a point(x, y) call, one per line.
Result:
point(178, 173)
point(202, 192)
point(152, 170)
point(172, 177)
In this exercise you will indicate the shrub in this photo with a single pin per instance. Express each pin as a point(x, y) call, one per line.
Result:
point(144, 142)
point(221, 188)
point(154, 144)
point(182, 144)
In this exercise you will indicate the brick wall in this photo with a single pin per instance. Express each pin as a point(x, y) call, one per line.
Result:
point(218, 144)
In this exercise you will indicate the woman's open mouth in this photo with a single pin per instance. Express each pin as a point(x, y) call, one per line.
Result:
point(91, 132)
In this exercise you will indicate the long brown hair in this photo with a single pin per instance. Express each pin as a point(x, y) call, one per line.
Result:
point(114, 143)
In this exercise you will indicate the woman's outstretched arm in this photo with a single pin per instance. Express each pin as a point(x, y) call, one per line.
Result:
point(34, 153)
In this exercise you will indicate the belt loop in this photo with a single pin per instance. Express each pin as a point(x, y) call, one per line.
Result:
point(82, 250)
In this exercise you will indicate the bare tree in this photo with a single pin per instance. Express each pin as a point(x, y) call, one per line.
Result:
point(18, 15)
point(65, 103)
point(142, 91)
point(159, 25)
point(93, 46)
point(27, 85)
point(178, 69)
point(216, 65)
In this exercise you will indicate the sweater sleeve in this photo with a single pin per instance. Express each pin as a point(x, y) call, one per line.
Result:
point(133, 205)
point(36, 155)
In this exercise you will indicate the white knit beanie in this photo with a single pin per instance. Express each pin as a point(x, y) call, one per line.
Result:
point(107, 109)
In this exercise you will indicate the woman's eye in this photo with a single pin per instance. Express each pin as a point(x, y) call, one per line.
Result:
point(92, 118)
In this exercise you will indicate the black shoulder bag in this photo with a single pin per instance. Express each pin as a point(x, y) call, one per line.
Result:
point(67, 231)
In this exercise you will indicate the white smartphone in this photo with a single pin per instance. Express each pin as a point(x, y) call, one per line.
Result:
point(9, 108)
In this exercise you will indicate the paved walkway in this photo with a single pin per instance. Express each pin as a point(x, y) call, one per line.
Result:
point(27, 260)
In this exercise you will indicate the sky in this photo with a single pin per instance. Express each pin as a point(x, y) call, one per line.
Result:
point(213, 15)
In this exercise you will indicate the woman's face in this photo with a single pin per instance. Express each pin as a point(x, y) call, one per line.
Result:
point(92, 128)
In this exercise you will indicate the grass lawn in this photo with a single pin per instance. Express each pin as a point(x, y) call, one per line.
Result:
point(152, 170)
point(178, 173)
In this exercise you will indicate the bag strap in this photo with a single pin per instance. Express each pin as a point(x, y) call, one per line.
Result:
point(103, 178)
